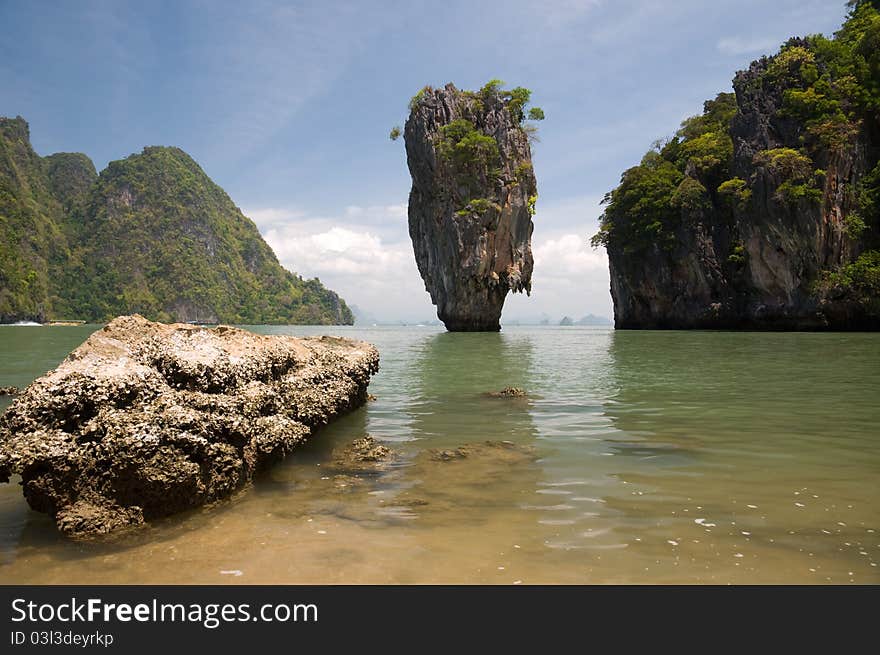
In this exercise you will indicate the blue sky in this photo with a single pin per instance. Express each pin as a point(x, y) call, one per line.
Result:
point(287, 105)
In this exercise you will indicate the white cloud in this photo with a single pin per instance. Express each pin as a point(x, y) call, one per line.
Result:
point(337, 251)
point(568, 256)
point(364, 254)
point(739, 45)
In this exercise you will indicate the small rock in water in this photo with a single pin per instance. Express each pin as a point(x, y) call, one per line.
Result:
point(508, 392)
point(362, 455)
point(8, 391)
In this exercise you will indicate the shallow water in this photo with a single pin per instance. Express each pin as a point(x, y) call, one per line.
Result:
point(648, 457)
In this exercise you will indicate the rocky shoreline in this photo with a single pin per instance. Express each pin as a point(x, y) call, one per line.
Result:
point(144, 419)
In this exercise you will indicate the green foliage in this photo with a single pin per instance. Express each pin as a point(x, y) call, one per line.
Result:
point(478, 207)
point(690, 195)
point(32, 238)
point(641, 211)
point(737, 189)
point(787, 162)
point(416, 100)
point(533, 201)
point(518, 98)
point(395, 133)
point(716, 117)
point(472, 155)
point(152, 234)
point(868, 198)
point(854, 225)
point(832, 85)
point(71, 175)
point(859, 280)
point(799, 180)
point(523, 171)
point(794, 66)
point(491, 89)
point(738, 254)
point(646, 208)
point(536, 114)
point(708, 152)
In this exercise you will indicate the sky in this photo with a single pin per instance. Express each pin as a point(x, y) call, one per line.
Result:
point(288, 105)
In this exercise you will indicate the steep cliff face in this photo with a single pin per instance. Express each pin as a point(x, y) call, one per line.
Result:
point(472, 199)
point(763, 211)
point(31, 227)
point(152, 234)
point(167, 242)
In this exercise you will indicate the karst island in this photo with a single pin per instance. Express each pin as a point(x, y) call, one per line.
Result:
point(472, 199)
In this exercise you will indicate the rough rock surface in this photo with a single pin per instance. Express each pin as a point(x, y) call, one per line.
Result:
point(145, 419)
point(362, 455)
point(470, 254)
point(755, 266)
point(508, 392)
point(500, 451)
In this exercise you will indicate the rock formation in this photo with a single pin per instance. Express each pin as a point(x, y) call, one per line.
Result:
point(144, 419)
point(764, 212)
point(472, 199)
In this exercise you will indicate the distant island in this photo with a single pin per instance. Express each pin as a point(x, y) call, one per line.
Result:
point(764, 211)
point(364, 318)
point(152, 234)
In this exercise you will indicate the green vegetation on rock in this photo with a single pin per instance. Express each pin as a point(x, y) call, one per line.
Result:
point(31, 226)
point(766, 207)
point(646, 208)
point(829, 87)
point(152, 234)
point(858, 281)
point(472, 155)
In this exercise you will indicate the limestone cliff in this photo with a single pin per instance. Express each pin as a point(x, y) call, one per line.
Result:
point(472, 199)
point(763, 211)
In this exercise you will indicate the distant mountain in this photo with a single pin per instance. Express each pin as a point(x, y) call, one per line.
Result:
point(361, 317)
point(592, 319)
point(546, 319)
point(151, 234)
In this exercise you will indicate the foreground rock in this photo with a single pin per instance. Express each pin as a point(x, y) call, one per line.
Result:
point(144, 420)
point(473, 193)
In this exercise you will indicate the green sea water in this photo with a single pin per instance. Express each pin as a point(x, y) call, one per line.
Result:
point(637, 457)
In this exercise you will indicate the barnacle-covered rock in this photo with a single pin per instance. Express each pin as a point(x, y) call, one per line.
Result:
point(144, 419)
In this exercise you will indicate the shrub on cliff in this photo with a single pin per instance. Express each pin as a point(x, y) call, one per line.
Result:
point(830, 87)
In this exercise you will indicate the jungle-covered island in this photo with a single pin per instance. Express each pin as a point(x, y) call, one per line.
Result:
point(152, 234)
point(763, 211)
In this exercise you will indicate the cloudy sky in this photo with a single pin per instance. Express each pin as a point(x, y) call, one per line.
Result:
point(287, 105)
